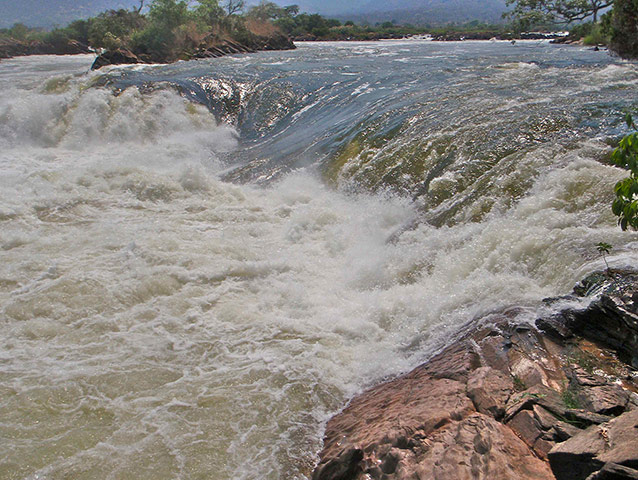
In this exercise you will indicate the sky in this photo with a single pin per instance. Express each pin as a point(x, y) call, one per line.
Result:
point(50, 13)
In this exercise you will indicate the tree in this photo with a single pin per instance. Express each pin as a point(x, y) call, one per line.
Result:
point(209, 11)
point(168, 14)
point(105, 29)
point(271, 11)
point(234, 6)
point(624, 28)
point(625, 207)
point(535, 12)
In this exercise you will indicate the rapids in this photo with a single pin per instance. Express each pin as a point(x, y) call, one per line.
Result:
point(201, 262)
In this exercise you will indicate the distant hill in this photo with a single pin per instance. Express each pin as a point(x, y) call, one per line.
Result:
point(418, 12)
point(432, 12)
point(50, 13)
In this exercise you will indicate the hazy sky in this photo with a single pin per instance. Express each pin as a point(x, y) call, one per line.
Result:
point(60, 12)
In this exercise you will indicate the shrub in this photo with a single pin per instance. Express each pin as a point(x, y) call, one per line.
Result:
point(624, 28)
point(625, 206)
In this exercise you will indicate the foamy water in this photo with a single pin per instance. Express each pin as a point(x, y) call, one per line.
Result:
point(164, 322)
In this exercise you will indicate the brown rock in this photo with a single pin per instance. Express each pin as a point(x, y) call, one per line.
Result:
point(615, 441)
point(489, 390)
point(526, 427)
point(545, 419)
point(121, 56)
point(596, 394)
point(613, 471)
point(455, 362)
point(341, 467)
point(538, 395)
point(440, 420)
point(478, 448)
point(394, 413)
point(565, 431)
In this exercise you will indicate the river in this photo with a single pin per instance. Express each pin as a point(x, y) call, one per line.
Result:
point(201, 262)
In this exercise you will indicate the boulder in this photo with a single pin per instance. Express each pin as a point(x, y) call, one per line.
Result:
point(597, 395)
point(613, 319)
point(613, 471)
point(490, 390)
point(121, 56)
point(613, 442)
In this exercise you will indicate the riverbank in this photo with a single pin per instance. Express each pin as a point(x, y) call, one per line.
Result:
point(260, 37)
point(452, 36)
point(16, 48)
point(211, 47)
point(556, 399)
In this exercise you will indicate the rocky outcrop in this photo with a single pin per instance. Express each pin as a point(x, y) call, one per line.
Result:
point(211, 47)
point(15, 48)
point(506, 400)
point(612, 446)
point(121, 56)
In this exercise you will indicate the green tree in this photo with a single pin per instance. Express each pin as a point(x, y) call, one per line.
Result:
point(158, 39)
point(19, 31)
point(209, 12)
point(624, 28)
point(168, 14)
point(625, 206)
point(113, 27)
point(535, 12)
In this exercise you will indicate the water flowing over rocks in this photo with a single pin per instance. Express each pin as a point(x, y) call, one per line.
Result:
point(507, 400)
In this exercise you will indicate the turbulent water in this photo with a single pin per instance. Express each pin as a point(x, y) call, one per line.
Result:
point(201, 262)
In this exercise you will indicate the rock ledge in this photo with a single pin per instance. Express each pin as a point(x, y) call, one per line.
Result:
point(553, 400)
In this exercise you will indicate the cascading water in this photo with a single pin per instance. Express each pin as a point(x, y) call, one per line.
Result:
point(202, 261)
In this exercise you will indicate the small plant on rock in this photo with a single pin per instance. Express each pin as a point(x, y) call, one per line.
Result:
point(604, 249)
point(569, 398)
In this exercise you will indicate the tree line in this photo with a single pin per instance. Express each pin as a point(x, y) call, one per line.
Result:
point(611, 22)
point(171, 28)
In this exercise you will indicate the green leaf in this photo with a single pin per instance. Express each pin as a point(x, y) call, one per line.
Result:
point(604, 247)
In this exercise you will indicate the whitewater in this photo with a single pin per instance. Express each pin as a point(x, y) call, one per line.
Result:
point(201, 262)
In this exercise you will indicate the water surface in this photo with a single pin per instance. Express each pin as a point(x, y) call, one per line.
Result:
point(202, 262)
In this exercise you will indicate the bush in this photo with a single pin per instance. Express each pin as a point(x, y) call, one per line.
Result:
point(624, 28)
point(596, 36)
point(113, 27)
point(581, 30)
point(625, 207)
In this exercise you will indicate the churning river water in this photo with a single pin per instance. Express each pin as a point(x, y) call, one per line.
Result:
point(201, 262)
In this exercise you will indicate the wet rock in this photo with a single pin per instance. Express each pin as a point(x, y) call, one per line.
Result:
point(613, 442)
point(613, 319)
point(15, 48)
point(121, 56)
point(459, 416)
